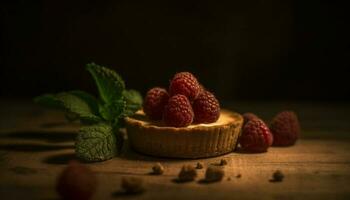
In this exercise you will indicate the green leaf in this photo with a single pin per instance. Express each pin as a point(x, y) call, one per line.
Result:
point(110, 85)
point(88, 98)
point(77, 105)
point(112, 111)
point(133, 102)
point(49, 100)
point(96, 143)
point(74, 103)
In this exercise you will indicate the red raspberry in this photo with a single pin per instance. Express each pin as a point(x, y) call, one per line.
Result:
point(155, 101)
point(186, 84)
point(256, 137)
point(178, 112)
point(285, 128)
point(206, 108)
point(249, 116)
point(76, 182)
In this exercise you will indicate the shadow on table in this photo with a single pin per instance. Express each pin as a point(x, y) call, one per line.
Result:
point(130, 154)
point(59, 159)
point(33, 147)
point(56, 124)
point(122, 194)
point(49, 136)
point(127, 154)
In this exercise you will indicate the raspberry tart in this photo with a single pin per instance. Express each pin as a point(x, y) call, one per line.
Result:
point(185, 122)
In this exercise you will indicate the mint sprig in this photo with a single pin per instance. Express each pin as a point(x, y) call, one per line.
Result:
point(99, 138)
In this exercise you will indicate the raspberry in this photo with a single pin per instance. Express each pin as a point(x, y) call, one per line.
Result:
point(186, 84)
point(206, 108)
point(76, 182)
point(285, 128)
point(178, 112)
point(155, 101)
point(249, 116)
point(256, 137)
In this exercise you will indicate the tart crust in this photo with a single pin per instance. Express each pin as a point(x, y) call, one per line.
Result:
point(195, 141)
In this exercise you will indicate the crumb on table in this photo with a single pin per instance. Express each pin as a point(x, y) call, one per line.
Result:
point(187, 173)
point(214, 173)
point(132, 185)
point(158, 169)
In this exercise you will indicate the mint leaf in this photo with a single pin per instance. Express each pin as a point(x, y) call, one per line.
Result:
point(110, 85)
point(112, 111)
point(48, 100)
point(96, 143)
point(77, 105)
point(88, 98)
point(133, 102)
point(74, 103)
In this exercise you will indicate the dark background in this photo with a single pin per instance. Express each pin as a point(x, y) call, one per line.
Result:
point(242, 50)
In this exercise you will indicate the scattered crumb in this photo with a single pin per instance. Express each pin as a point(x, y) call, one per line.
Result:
point(277, 176)
point(199, 165)
point(187, 173)
point(238, 175)
point(223, 162)
point(158, 169)
point(214, 174)
point(23, 170)
point(228, 178)
point(132, 185)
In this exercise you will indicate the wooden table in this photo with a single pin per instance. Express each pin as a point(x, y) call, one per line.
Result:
point(36, 144)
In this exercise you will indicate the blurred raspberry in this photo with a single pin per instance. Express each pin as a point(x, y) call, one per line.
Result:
point(249, 116)
point(285, 128)
point(76, 182)
point(155, 101)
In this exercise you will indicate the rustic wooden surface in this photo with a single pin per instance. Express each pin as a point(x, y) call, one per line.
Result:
point(36, 144)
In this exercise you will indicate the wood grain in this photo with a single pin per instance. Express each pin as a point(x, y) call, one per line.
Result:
point(36, 144)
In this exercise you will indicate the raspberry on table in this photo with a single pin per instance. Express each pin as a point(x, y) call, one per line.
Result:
point(178, 112)
point(206, 108)
point(285, 128)
point(249, 116)
point(186, 84)
point(76, 182)
point(155, 101)
point(256, 137)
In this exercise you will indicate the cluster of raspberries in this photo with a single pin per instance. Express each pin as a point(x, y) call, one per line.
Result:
point(185, 102)
point(257, 136)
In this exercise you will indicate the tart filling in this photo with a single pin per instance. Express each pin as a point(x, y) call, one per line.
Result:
point(226, 117)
